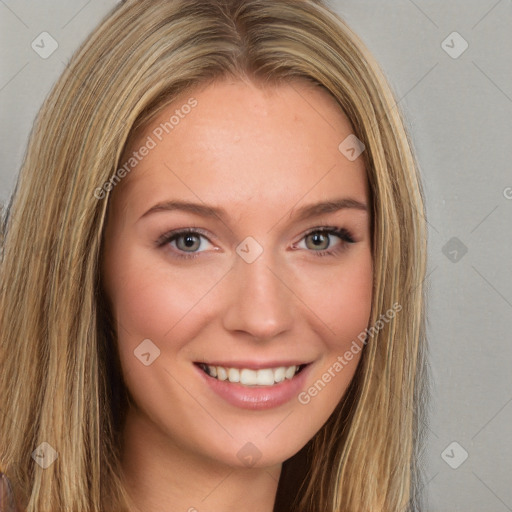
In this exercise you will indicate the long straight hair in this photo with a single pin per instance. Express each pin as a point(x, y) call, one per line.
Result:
point(60, 378)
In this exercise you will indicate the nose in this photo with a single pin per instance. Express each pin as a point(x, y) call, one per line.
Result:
point(260, 301)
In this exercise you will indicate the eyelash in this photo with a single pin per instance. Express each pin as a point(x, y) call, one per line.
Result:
point(342, 233)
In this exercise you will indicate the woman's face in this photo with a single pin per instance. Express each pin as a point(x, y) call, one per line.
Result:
point(255, 291)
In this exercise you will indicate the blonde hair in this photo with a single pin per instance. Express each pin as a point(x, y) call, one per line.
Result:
point(61, 381)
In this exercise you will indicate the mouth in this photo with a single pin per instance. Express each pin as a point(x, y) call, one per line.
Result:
point(252, 377)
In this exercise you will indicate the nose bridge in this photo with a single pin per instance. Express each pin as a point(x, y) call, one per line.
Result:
point(259, 302)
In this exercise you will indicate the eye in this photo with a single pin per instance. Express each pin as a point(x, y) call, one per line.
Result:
point(319, 240)
point(187, 242)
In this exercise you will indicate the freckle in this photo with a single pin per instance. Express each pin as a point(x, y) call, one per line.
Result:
point(236, 138)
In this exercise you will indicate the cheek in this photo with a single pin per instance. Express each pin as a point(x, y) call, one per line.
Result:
point(154, 299)
point(341, 297)
point(343, 304)
point(350, 307)
point(149, 293)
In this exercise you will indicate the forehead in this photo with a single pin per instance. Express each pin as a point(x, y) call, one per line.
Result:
point(236, 142)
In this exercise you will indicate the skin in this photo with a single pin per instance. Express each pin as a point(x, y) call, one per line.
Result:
point(260, 153)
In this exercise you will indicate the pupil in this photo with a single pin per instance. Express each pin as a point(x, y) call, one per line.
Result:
point(189, 241)
point(317, 239)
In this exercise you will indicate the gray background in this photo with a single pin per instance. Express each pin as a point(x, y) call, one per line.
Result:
point(459, 111)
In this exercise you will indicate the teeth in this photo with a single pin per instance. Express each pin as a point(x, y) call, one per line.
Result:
point(290, 372)
point(222, 374)
point(234, 375)
point(259, 377)
point(279, 374)
point(248, 377)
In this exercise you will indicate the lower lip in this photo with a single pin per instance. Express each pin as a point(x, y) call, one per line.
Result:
point(257, 397)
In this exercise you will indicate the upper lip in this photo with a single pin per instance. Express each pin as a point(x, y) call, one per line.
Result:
point(255, 365)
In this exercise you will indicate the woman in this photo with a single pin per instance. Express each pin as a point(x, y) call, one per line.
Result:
point(243, 367)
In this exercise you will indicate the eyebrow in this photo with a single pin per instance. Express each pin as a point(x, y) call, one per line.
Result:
point(302, 213)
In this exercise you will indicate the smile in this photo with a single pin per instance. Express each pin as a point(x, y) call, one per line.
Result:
point(249, 377)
